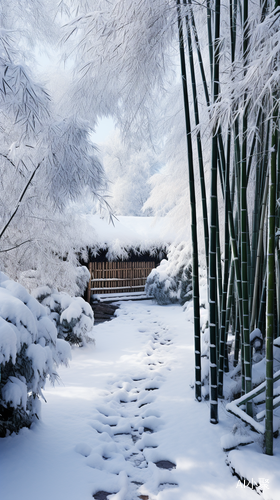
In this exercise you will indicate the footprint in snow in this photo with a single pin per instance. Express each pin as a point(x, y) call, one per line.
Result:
point(83, 449)
point(102, 495)
point(165, 464)
point(131, 421)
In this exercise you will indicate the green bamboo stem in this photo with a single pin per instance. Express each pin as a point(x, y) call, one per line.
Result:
point(212, 286)
point(253, 144)
point(223, 335)
point(256, 217)
point(210, 38)
point(221, 154)
point(270, 293)
point(227, 255)
point(237, 168)
point(259, 257)
point(199, 56)
point(213, 225)
point(199, 144)
point(265, 156)
point(230, 299)
point(261, 317)
point(277, 224)
point(233, 16)
point(219, 268)
point(195, 274)
point(244, 226)
point(277, 265)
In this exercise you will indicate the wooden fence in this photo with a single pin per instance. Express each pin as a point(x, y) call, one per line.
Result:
point(118, 277)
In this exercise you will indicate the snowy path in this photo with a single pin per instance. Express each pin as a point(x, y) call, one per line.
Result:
point(125, 422)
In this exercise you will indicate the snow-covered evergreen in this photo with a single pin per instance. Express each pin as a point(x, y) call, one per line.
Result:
point(171, 281)
point(30, 352)
point(72, 316)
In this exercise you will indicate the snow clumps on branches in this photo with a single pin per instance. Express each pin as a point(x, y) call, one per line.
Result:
point(30, 352)
point(72, 316)
point(171, 281)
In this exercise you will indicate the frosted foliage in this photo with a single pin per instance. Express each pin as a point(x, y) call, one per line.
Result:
point(29, 354)
point(127, 64)
point(49, 255)
point(171, 281)
point(128, 169)
point(31, 21)
point(169, 194)
point(130, 40)
point(261, 80)
point(72, 316)
point(72, 162)
point(46, 160)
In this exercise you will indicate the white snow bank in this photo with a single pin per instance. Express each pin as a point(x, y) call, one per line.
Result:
point(260, 470)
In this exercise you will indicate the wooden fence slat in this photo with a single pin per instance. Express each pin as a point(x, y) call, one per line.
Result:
point(113, 276)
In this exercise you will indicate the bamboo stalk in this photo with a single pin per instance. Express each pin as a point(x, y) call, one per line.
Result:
point(210, 38)
point(243, 224)
point(198, 140)
point(261, 316)
point(259, 256)
point(213, 226)
point(270, 293)
point(223, 332)
point(195, 274)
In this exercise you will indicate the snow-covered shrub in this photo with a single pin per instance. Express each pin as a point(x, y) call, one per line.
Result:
point(171, 281)
point(72, 278)
point(82, 279)
point(29, 354)
point(72, 316)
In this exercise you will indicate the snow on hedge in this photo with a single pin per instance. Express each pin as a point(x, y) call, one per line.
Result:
point(72, 316)
point(171, 281)
point(29, 354)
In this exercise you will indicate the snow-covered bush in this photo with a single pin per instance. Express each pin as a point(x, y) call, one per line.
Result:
point(66, 276)
point(171, 281)
point(29, 354)
point(72, 316)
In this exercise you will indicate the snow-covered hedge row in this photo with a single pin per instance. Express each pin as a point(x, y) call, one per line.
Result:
point(72, 316)
point(171, 281)
point(29, 354)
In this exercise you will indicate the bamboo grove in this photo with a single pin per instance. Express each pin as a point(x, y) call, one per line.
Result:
point(240, 80)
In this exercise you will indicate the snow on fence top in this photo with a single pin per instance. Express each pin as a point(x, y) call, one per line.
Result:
point(139, 234)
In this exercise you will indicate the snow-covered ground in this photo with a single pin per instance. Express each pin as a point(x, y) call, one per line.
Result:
point(124, 421)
